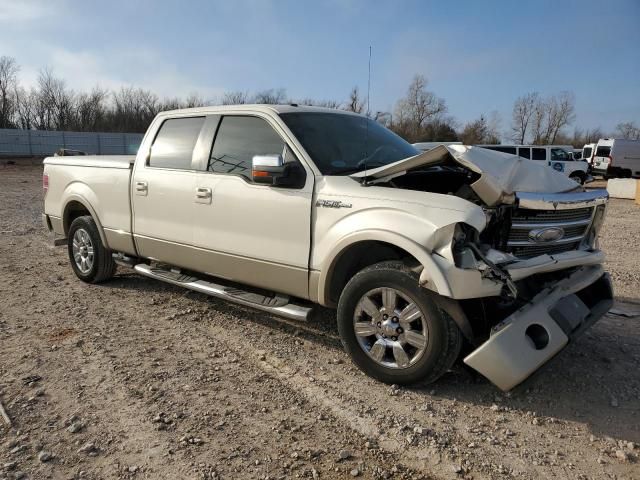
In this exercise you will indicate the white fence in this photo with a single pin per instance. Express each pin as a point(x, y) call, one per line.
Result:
point(28, 143)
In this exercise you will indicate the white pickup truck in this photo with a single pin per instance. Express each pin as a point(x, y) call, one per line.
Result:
point(284, 207)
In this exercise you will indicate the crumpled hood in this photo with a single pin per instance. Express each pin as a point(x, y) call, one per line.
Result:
point(501, 174)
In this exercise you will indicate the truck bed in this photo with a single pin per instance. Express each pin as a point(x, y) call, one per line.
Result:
point(102, 182)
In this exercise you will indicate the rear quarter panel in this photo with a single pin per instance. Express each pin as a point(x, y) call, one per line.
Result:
point(104, 191)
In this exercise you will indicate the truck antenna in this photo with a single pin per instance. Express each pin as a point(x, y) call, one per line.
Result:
point(366, 136)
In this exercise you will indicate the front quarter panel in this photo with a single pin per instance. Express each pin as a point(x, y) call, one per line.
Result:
point(420, 223)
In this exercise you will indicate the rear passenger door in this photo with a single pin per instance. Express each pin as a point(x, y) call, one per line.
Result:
point(251, 233)
point(163, 192)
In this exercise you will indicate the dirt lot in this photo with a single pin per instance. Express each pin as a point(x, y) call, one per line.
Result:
point(138, 379)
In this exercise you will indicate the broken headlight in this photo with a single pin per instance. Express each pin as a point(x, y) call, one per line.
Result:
point(596, 225)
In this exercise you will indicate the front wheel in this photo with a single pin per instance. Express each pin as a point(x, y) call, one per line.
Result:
point(577, 177)
point(392, 329)
point(90, 260)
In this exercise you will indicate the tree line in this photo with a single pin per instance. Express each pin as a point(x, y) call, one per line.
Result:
point(420, 116)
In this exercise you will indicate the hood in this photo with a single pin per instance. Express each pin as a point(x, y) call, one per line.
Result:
point(501, 174)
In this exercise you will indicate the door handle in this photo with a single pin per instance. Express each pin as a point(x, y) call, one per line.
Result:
point(142, 188)
point(203, 195)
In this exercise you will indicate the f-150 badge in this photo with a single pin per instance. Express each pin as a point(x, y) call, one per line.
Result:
point(332, 204)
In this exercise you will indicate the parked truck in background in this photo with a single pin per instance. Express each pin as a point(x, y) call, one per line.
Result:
point(617, 157)
point(284, 207)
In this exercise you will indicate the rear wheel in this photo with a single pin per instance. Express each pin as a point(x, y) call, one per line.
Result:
point(392, 329)
point(90, 260)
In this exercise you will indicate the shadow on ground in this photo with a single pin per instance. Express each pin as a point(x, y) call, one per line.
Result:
point(594, 381)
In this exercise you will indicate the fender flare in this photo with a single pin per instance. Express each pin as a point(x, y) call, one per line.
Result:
point(433, 277)
point(76, 197)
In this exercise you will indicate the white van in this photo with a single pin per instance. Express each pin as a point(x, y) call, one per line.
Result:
point(617, 157)
point(588, 152)
point(557, 157)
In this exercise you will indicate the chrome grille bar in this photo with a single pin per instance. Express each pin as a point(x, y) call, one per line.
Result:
point(571, 212)
point(575, 223)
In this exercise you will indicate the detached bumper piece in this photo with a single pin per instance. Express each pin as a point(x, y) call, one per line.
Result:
point(534, 334)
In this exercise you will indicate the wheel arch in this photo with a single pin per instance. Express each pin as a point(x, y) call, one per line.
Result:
point(76, 206)
point(365, 248)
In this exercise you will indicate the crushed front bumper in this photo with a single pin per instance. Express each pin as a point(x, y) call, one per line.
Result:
point(534, 334)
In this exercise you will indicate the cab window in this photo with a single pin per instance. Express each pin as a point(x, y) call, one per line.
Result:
point(174, 143)
point(238, 140)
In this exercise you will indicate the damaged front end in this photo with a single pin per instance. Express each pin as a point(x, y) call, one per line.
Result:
point(539, 330)
point(543, 251)
point(532, 279)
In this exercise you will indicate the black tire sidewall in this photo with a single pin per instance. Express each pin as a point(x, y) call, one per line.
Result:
point(87, 224)
point(579, 177)
point(406, 283)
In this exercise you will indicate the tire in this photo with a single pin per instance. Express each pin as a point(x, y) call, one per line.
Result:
point(98, 264)
point(443, 338)
point(578, 178)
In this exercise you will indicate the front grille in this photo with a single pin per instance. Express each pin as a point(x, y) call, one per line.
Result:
point(525, 223)
point(546, 216)
point(569, 232)
point(535, 250)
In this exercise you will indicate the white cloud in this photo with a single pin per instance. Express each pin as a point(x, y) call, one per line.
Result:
point(84, 69)
point(24, 10)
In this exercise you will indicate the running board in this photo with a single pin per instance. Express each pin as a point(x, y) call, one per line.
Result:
point(277, 304)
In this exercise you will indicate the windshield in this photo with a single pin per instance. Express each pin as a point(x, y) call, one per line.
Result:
point(340, 144)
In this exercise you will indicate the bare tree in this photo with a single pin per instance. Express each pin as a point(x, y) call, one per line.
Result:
point(480, 132)
point(523, 111)
point(493, 128)
point(25, 108)
point(544, 118)
point(628, 130)
point(581, 137)
point(8, 84)
point(271, 96)
point(319, 103)
point(194, 100)
point(355, 103)
point(418, 107)
point(91, 110)
point(441, 129)
point(55, 103)
point(133, 109)
point(235, 98)
point(538, 122)
point(559, 113)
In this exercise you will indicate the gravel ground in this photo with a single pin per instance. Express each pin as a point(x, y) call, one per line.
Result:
point(138, 379)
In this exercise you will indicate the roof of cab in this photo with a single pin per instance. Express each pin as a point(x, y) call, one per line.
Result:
point(257, 108)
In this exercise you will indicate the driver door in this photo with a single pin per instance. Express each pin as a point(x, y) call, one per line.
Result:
point(251, 233)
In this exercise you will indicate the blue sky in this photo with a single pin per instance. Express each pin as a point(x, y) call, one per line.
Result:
point(478, 56)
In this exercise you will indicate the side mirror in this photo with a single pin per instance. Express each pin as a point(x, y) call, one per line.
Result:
point(267, 169)
point(272, 170)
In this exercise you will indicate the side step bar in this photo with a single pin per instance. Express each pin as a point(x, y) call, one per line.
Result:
point(277, 305)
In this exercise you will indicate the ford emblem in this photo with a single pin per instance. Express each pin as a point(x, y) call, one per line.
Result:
point(546, 235)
